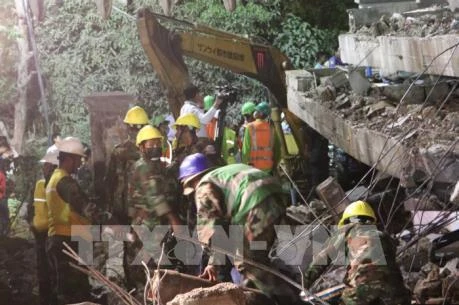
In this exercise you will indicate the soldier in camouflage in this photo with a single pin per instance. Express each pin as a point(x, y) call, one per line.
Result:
point(239, 194)
point(120, 164)
point(373, 276)
point(152, 196)
point(186, 141)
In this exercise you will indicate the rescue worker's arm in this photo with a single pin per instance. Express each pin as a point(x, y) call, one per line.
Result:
point(69, 190)
point(323, 259)
point(211, 210)
point(246, 145)
point(206, 117)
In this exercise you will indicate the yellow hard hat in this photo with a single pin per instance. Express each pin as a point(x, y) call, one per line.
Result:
point(357, 208)
point(147, 133)
point(136, 116)
point(188, 119)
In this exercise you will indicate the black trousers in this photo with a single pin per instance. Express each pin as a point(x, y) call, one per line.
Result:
point(43, 269)
point(68, 284)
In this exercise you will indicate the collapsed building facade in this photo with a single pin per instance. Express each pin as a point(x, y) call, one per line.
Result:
point(395, 108)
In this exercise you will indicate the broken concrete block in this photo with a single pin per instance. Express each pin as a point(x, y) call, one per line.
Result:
point(436, 94)
point(359, 84)
point(415, 95)
point(338, 80)
point(346, 102)
point(168, 283)
point(429, 112)
point(326, 93)
point(333, 195)
point(377, 109)
point(222, 294)
point(453, 5)
point(429, 287)
point(304, 83)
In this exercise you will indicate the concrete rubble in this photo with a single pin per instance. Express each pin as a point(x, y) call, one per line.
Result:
point(396, 106)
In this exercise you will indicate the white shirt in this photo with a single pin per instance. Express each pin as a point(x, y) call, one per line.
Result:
point(204, 117)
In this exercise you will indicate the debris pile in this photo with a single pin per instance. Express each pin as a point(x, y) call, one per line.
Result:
point(430, 123)
point(425, 22)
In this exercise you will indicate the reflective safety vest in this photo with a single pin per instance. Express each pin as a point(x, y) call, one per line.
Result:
point(244, 187)
point(261, 145)
point(40, 217)
point(211, 128)
point(61, 217)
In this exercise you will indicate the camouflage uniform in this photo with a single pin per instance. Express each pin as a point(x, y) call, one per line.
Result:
point(85, 179)
point(120, 166)
point(258, 225)
point(151, 189)
point(373, 276)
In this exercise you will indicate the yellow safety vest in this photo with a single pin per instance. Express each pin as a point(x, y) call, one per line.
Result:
point(61, 217)
point(40, 217)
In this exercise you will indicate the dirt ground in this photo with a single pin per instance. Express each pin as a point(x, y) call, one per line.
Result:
point(18, 282)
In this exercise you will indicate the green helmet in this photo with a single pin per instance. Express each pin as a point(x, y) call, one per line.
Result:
point(208, 102)
point(248, 108)
point(264, 108)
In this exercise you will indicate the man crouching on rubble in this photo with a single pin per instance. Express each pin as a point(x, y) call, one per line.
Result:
point(373, 276)
point(239, 194)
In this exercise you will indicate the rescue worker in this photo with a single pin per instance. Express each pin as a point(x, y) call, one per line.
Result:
point(228, 148)
point(152, 197)
point(194, 104)
point(120, 167)
point(372, 276)
point(84, 174)
point(239, 194)
point(161, 123)
point(39, 225)
point(67, 206)
point(261, 146)
point(122, 158)
point(186, 139)
point(247, 110)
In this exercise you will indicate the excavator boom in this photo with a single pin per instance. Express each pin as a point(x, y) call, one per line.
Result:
point(165, 50)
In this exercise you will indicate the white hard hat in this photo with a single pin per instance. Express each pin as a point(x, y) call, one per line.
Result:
point(51, 155)
point(71, 145)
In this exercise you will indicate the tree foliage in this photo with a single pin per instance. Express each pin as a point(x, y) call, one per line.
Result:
point(300, 41)
point(8, 54)
point(82, 54)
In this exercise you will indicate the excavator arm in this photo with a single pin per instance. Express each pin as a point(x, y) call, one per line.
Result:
point(165, 50)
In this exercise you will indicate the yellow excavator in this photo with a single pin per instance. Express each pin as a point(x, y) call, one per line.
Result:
point(165, 49)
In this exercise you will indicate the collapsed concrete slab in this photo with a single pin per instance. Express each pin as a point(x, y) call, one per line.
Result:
point(404, 154)
point(413, 54)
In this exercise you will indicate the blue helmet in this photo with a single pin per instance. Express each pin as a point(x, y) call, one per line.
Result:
point(192, 165)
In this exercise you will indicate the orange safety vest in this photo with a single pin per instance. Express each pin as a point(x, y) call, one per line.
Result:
point(261, 145)
point(210, 128)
